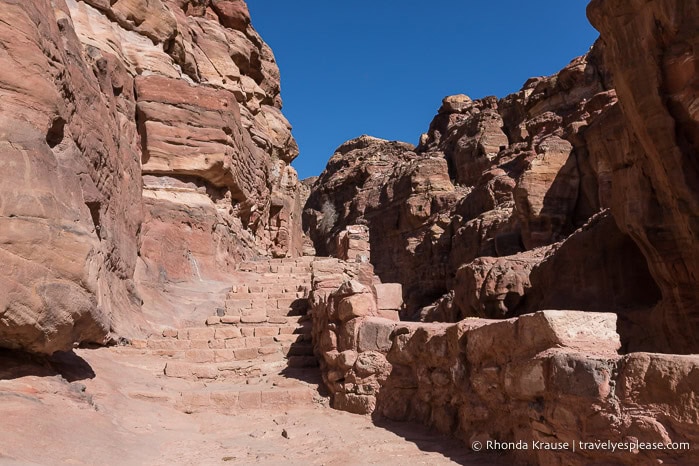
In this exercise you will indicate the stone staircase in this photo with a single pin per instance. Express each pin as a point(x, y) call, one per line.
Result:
point(254, 353)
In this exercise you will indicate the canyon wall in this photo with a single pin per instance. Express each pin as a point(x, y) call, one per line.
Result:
point(491, 177)
point(144, 155)
point(652, 48)
point(577, 192)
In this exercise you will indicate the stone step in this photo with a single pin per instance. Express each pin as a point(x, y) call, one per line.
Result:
point(278, 293)
point(236, 369)
point(233, 398)
point(233, 371)
point(227, 320)
point(226, 332)
point(278, 268)
point(265, 348)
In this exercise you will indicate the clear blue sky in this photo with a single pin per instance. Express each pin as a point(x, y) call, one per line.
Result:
point(382, 67)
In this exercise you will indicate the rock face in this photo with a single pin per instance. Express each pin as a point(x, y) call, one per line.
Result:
point(144, 150)
point(491, 177)
point(651, 153)
point(464, 219)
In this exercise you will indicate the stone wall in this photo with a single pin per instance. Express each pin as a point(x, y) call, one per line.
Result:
point(551, 376)
point(352, 244)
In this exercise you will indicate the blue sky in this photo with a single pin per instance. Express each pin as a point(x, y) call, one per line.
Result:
point(382, 67)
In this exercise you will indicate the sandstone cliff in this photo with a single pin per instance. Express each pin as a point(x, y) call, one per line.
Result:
point(491, 177)
point(477, 219)
point(144, 151)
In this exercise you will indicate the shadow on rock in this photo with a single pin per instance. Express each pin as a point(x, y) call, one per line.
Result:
point(70, 366)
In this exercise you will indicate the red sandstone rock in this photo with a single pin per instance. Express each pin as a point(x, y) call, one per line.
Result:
point(652, 158)
point(490, 178)
point(95, 93)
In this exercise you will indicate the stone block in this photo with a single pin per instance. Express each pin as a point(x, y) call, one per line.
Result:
point(357, 305)
point(346, 337)
point(592, 332)
point(265, 341)
point(246, 353)
point(274, 397)
point(266, 331)
point(168, 344)
point(187, 370)
point(525, 380)
point(191, 401)
point(230, 319)
point(254, 319)
point(252, 342)
point(356, 404)
point(328, 266)
point(389, 296)
point(346, 359)
point(238, 304)
point(213, 320)
point(225, 333)
point(225, 355)
point(197, 333)
point(580, 375)
point(266, 350)
point(235, 343)
point(371, 363)
point(217, 344)
point(199, 344)
point(375, 335)
point(226, 402)
point(170, 333)
point(200, 355)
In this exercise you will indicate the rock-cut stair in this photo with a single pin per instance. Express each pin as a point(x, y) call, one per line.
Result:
point(255, 353)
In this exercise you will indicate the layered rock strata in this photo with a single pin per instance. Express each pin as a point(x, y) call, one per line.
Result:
point(145, 151)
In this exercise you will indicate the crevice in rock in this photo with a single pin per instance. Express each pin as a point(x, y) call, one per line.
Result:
point(95, 214)
point(56, 132)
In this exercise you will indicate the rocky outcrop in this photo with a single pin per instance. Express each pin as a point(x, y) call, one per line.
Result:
point(491, 177)
point(397, 194)
point(650, 144)
point(145, 150)
point(615, 129)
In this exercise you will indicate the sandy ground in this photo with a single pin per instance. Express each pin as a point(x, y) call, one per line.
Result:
point(110, 406)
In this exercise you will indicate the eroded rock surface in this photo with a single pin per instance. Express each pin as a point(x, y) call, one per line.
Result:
point(652, 153)
point(491, 177)
point(496, 178)
point(144, 150)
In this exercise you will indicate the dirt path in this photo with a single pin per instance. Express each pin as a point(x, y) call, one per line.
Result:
point(121, 410)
